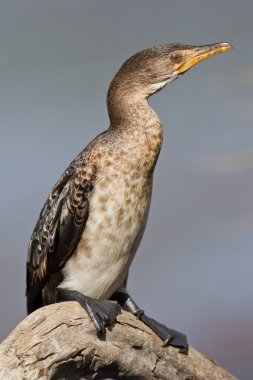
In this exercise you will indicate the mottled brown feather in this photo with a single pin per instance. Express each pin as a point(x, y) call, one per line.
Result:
point(58, 229)
point(93, 220)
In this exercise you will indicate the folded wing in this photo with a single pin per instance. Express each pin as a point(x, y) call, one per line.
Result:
point(58, 230)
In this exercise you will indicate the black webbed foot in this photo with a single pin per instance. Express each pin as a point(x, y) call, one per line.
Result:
point(169, 336)
point(103, 313)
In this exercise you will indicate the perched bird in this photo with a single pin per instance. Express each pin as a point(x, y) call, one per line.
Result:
point(94, 218)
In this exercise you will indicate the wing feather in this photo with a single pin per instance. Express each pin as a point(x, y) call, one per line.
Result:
point(58, 230)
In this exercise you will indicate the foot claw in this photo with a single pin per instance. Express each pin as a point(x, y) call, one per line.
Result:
point(169, 336)
point(177, 339)
point(103, 313)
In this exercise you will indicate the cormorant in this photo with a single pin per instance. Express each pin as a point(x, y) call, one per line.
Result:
point(94, 218)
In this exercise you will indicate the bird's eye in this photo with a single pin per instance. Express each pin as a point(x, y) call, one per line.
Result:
point(175, 57)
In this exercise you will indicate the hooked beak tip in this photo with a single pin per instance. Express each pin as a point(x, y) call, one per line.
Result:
point(200, 53)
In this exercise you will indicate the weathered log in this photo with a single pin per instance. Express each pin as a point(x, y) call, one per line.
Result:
point(59, 342)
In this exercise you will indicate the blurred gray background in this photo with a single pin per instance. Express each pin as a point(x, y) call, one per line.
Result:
point(194, 268)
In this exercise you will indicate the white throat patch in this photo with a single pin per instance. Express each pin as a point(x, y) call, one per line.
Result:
point(158, 86)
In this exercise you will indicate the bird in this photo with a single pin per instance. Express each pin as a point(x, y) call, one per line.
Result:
point(92, 222)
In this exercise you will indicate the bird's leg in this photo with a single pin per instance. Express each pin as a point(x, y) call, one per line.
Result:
point(102, 312)
point(169, 336)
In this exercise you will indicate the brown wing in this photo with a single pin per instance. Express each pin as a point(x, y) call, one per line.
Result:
point(58, 230)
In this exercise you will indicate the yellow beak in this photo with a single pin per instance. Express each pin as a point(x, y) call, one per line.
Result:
point(200, 53)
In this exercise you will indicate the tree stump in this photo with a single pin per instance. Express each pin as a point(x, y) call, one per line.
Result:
point(59, 342)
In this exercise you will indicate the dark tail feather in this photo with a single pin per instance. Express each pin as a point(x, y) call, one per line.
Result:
point(33, 294)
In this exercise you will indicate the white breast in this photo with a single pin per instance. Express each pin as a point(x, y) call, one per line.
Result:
point(117, 218)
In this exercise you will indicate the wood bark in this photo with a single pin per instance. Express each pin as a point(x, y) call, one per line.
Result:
point(59, 342)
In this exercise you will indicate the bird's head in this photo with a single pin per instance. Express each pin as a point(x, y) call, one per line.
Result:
point(148, 71)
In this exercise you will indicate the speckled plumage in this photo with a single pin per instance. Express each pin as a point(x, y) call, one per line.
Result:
point(116, 171)
point(94, 218)
point(118, 210)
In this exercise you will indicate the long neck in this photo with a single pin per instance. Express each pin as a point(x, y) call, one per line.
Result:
point(130, 112)
point(127, 104)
